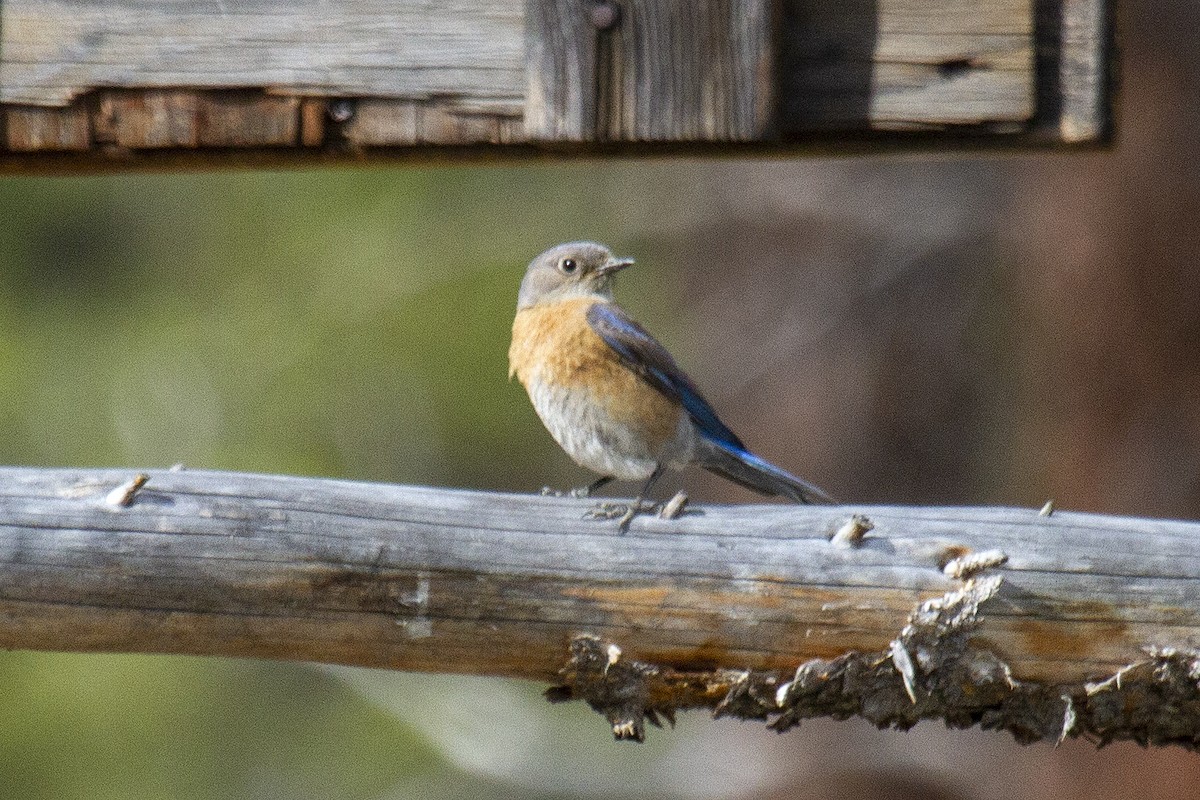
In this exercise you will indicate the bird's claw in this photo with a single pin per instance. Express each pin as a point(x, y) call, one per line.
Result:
point(606, 511)
point(623, 525)
point(624, 512)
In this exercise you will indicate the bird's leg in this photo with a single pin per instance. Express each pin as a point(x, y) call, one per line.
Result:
point(634, 509)
point(586, 491)
point(625, 512)
point(579, 491)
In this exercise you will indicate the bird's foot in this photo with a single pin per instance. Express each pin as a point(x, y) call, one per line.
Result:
point(624, 512)
point(623, 524)
point(606, 510)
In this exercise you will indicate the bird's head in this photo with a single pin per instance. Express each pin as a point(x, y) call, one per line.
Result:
point(574, 269)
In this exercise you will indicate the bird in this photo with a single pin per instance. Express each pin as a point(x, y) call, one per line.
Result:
point(610, 394)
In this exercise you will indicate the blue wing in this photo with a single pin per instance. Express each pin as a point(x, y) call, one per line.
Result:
point(642, 353)
point(721, 451)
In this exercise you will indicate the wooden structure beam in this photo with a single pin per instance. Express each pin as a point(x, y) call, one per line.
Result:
point(123, 81)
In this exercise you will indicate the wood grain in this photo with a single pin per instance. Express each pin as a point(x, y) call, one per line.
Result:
point(142, 78)
point(654, 70)
point(422, 579)
point(1076, 70)
point(562, 47)
point(147, 119)
point(30, 129)
point(900, 64)
point(55, 50)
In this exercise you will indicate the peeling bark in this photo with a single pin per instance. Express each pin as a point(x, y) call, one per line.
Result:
point(930, 671)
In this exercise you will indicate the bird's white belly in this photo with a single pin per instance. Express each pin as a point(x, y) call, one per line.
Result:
point(595, 441)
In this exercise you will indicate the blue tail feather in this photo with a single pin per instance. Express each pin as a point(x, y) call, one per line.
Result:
point(743, 467)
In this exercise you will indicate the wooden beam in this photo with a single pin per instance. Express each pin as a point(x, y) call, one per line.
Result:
point(53, 51)
point(33, 129)
point(969, 614)
point(1076, 70)
point(124, 82)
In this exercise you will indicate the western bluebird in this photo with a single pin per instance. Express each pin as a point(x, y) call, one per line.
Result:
point(612, 396)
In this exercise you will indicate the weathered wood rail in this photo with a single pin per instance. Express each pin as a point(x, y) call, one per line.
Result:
point(127, 82)
point(1068, 624)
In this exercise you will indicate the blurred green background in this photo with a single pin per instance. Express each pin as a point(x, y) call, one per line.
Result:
point(905, 329)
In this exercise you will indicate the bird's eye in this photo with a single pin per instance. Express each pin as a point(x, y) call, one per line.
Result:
point(568, 265)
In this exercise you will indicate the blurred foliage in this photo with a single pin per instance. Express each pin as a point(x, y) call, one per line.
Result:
point(331, 323)
point(109, 727)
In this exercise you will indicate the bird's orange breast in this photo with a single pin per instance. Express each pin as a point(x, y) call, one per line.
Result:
point(553, 343)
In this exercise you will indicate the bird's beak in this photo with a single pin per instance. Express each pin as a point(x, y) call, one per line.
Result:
point(614, 265)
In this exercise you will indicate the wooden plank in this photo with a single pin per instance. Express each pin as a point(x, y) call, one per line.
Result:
point(906, 64)
point(1076, 70)
point(376, 123)
point(382, 122)
point(30, 129)
point(55, 50)
point(147, 119)
point(439, 123)
point(155, 119)
point(888, 55)
point(562, 45)
point(313, 112)
point(247, 119)
point(651, 70)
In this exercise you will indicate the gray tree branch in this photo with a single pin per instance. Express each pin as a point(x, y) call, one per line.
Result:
point(1048, 626)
